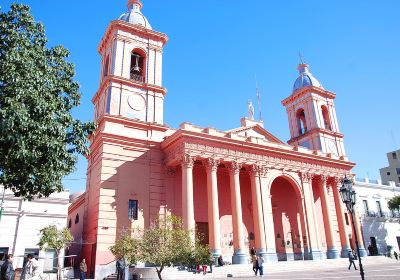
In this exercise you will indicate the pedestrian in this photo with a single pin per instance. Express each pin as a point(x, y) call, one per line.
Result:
point(31, 268)
point(7, 269)
point(204, 268)
point(260, 265)
point(254, 262)
point(220, 261)
point(351, 259)
point(396, 255)
point(252, 251)
point(120, 264)
point(83, 269)
point(211, 260)
point(370, 250)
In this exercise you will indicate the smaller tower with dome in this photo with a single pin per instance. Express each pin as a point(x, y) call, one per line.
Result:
point(312, 116)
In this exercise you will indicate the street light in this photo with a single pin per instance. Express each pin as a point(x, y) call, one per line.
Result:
point(348, 195)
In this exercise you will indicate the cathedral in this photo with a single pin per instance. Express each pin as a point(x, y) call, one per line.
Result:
point(241, 188)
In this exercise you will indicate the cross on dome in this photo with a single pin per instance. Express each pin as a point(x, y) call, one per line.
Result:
point(136, 3)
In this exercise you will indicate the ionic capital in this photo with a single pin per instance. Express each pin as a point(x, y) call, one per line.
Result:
point(187, 161)
point(212, 164)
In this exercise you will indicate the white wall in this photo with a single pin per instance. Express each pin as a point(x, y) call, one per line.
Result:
point(384, 229)
point(22, 221)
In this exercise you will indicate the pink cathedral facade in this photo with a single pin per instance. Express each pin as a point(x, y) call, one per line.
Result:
point(241, 188)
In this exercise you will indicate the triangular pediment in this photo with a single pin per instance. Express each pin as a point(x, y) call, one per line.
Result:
point(256, 131)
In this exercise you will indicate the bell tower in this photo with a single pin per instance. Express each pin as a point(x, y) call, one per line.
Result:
point(131, 69)
point(312, 116)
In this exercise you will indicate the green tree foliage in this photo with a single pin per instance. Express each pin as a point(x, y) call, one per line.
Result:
point(39, 138)
point(127, 248)
point(53, 238)
point(165, 242)
point(394, 203)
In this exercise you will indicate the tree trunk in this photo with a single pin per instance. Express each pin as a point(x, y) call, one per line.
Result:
point(58, 265)
point(159, 272)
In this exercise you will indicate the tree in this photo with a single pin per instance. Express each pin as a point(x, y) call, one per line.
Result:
point(39, 138)
point(127, 248)
point(394, 203)
point(165, 242)
point(53, 238)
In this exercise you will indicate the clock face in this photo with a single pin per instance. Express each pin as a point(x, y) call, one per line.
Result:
point(332, 147)
point(136, 102)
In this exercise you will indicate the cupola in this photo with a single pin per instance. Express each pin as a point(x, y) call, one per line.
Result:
point(134, 14)
point(305, 78)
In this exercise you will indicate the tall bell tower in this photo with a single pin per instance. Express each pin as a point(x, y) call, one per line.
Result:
point(131, 69)
point(312, 116)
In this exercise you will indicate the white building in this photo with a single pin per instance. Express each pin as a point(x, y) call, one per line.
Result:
point(22, 221)
point(381, 226)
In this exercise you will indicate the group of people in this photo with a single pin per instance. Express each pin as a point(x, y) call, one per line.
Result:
point(258, 262)
point(30, 270)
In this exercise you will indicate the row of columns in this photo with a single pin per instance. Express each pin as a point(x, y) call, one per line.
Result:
point(262, 212)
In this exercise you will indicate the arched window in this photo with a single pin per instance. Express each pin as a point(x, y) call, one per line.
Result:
point(106, 64)
point(77, 218)
point(69, 223)
point(137, 66)
point(301, 121)
point(325, 116)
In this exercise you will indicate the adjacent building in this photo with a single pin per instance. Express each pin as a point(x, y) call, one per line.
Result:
point(381, 226)
point(21, 222)
point(392, 172)
point(242, 187)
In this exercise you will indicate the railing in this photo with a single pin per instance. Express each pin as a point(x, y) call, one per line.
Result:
point(382, 215)
point(137, 78)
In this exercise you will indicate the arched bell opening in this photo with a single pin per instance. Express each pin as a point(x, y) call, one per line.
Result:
point(138, 65)
point(326, 119)
point(301, 121)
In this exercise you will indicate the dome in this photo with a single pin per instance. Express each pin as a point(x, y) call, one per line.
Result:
point(134, 15)
point(305, 79)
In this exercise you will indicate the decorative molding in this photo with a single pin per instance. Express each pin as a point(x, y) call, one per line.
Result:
point(235, 167)
point(212, 163)
point(306, 177)
point(187, 161)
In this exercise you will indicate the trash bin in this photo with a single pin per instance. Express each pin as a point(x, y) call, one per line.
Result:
point(135, 276)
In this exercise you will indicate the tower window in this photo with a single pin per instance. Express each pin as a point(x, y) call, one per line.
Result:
point(77, 218)
point(325, 116)
point(301, 121)
point(106, 64)
point(137, 67)
point(394, 155)
point(133, 209)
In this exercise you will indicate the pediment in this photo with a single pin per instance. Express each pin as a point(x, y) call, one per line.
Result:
point(256, 131)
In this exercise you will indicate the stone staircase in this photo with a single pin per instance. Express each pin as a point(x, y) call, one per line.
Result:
point(245, 270)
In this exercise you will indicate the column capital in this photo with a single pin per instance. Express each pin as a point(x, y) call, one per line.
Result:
point(258, 170)
point(235, 167)
point(337, 181)
point(211, 163)
point(187, 161)
point(323, 179)
point(306, 177)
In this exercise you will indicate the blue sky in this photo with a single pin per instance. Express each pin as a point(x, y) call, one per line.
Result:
point(217, 46)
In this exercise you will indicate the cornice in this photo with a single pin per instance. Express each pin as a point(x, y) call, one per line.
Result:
point(78, 202)
point(200, 145)
point(131, 28)
point(316, 130)
point(303, 91)
point(127, 82)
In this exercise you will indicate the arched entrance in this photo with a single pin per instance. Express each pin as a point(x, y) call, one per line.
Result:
point(290, 236)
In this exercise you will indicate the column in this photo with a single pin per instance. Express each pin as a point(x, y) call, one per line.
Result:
point(258, 218)
point(314, 240)
point(270, 255)
point(344, 236)
point(187, 193)
point(240, 253)
point(332, 252)
point(214, 229)
point(360, 238)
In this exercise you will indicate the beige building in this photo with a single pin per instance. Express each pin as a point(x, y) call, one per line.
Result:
point(392, 172)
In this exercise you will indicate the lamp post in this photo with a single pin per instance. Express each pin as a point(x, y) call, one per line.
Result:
point(348, 195)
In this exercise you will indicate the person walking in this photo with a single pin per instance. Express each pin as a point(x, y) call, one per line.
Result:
point(351, 259)
point(396, 255)
point(260, 265)
point(7, 269)
point(83, 269)
point(254, 262)
point(31, 268)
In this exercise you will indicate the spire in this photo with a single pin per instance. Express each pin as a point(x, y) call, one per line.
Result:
point(135, 4)
point(303, 68)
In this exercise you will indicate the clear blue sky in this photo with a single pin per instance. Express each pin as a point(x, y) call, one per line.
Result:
point(216, 48)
